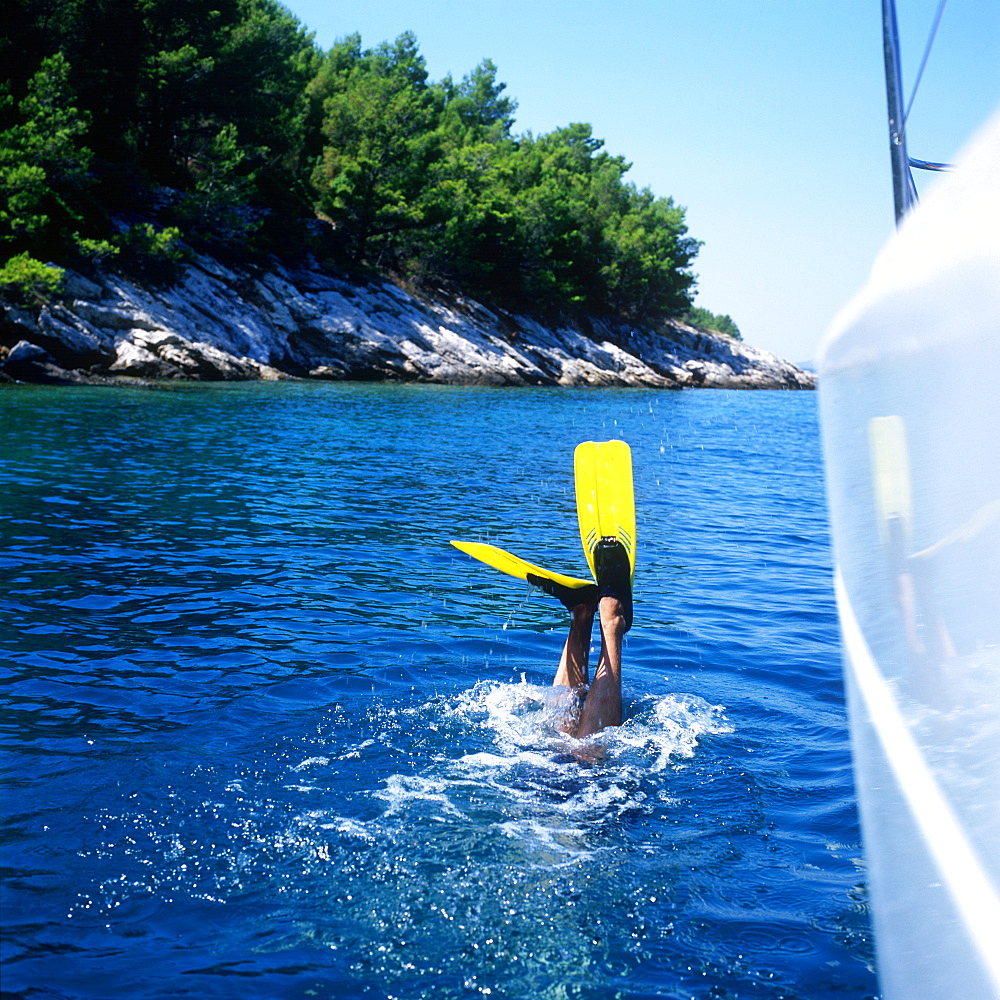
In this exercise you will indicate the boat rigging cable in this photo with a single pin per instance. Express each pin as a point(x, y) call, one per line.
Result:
point(903, 189)
point(923, 61)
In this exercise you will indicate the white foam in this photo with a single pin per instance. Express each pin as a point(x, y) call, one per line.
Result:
point(309, 761)
point(677, 723)
point(478, 761)
point(402, 789)
point(348, 827)
point(551, 846)
point(532, 783)
point(526, 715)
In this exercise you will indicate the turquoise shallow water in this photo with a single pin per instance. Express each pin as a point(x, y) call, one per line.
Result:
point(267, 735)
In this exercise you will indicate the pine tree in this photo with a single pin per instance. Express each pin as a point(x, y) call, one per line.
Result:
point(43, 164)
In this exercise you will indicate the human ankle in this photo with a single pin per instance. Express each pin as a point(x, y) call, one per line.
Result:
point(613, 615)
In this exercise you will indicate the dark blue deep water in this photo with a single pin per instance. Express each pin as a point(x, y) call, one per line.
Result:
point(267, 735)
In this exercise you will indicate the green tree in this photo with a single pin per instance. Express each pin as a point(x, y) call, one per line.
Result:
point(380, 126)
point(162, 79)
point(29, 282)
point(221, 124)
point(697, 316)
point(234, 74)
point(260, 80)
point(470, 235)
point(551, 219)
point(648, 258)
point(218, 208)
point(593, 241)
point(474, 239)
point(43, 164)
point(476, 108)
point(557, 231)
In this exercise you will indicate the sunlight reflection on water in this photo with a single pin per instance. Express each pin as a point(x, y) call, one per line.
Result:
point(265, 723)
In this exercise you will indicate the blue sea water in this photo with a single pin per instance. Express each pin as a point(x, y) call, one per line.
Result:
point(266, 734)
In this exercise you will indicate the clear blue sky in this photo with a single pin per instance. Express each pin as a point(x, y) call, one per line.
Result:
point(764, 118)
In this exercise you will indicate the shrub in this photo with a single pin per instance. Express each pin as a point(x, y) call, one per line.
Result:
point(154, 253)
point(707, 320)
point(28, 281)
point(96, 251)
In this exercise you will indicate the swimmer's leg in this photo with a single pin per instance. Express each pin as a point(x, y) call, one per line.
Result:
point(581, 603)
point(573, 671)
point(603, 706)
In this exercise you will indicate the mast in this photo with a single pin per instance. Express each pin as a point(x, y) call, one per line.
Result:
point(903, 191)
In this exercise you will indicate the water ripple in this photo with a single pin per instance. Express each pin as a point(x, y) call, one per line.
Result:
point(268, 735)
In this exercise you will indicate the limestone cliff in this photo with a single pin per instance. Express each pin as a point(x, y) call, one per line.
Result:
point(217, 323)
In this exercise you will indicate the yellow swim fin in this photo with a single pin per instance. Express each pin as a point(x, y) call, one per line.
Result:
point(506, 562)
point(605, 501)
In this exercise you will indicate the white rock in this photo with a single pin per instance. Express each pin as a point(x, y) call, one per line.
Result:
point(217, 323)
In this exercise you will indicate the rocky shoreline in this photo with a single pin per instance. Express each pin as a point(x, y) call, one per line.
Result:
point(217, 323)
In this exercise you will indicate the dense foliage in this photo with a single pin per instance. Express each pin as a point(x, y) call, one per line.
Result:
point(132, 129)
point(709, 321)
